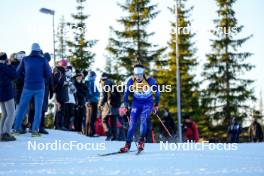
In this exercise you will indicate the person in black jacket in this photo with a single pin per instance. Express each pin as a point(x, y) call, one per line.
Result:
point(109, 103)
point(18, 84)
point(8, 74)
point(255, 132)
point(61, 91)
point(80, 101)
point(19, 81)
point(169, 123)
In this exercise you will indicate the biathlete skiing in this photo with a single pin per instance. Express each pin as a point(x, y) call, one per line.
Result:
point(142, 105)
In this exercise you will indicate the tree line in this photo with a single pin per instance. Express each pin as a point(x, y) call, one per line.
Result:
point(225, 92)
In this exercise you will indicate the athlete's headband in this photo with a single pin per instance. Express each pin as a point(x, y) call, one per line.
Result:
point(138, 70)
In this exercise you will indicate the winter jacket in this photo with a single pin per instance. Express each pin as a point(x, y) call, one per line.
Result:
point(71, 88)
point(255, 132)
point(36, 69)
point(81, 93)
point(191, 131)
point(49, 84)
point(233, 133)
point(18, 84)
point(92, 91)
point(109, 101)
point(60, 88)
point(8, 74)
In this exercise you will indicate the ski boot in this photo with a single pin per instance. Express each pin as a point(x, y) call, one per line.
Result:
point(35, 134)
point(126, 148)
point(140, 146)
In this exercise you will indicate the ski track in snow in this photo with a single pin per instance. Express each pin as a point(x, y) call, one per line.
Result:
point(17, 160)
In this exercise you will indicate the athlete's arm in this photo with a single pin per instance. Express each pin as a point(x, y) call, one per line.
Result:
point(127, 91)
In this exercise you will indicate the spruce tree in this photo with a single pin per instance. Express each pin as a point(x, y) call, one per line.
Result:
point(261, 103)
point(80, 55)
point(131, 45)
point(227, 93)
point(166, 68)
point(61, 49)
point(111, 68)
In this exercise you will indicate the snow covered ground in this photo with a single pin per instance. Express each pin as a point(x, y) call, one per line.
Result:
point(18, 158)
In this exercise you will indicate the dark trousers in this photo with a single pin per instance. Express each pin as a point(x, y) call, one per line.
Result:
point(79, 117)
point(69, 115)
point(109, 124)
point(59, 117)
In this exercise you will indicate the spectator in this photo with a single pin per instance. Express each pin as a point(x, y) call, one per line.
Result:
point(8, 74)
point(36, 69)
point(110, 101)
point(18, 83)
point(190, 129)
point(61, 91)
point(48, 94)
point(80, 97)
point(70, 104)
point(92, 99)
point(169, 123)
point(233, 131)
point(255, 132)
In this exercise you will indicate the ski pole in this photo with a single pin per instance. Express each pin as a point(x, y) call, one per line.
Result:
point(163, 125)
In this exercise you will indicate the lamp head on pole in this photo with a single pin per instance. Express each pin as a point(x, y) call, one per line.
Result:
point(47, 11)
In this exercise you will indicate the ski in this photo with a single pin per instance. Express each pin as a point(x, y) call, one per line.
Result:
point(138, 152)
point(116, 153)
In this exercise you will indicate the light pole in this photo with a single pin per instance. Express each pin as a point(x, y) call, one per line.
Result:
point(51, 12)
point(178, 74)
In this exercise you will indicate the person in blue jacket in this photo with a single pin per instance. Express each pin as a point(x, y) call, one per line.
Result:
point(142, 105)
point(48, 94)
point(92, 98)
point(36, 70)
point(7, 103)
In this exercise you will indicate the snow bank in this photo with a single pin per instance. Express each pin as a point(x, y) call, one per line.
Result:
point(18, 159)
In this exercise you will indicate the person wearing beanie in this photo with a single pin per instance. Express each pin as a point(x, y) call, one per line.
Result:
point(61, 92)
point(80, 96)
point(47, 56)
point(7, 104)
point(48, 94)
point(63, 63)
point(110, 101)
point(35, 70)
point(92, 99)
